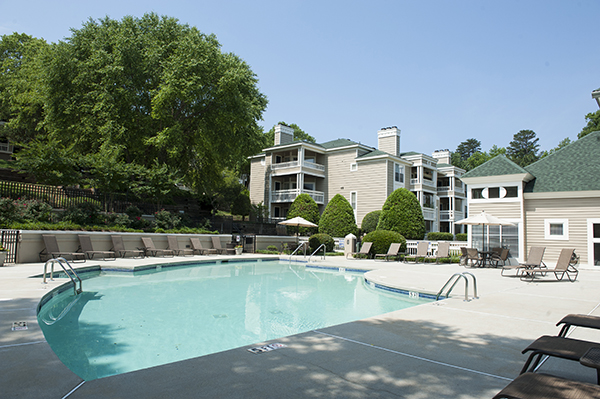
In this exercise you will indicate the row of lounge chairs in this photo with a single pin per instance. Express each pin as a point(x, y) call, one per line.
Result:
point(443, 251)
point(534, 265)
point(86, 249)
point(531, 385)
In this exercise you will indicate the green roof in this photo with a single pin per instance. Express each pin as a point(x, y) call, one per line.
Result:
point(572, 168)
point(374, 153)
point(497, 166)
point(409, 153)
point(337, 143)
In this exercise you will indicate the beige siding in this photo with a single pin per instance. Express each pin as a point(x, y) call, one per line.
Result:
point(576, 210)
point(338, 173)
point(390, 179)
point(502, 210)
point(257, 181)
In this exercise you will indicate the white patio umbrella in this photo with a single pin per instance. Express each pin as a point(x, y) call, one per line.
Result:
point(298, 222)
point(484, 219)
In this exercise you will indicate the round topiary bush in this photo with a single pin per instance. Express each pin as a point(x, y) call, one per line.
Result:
point(461, 237)
point(382, 239)
point(316, 240)
point(305, 207)
point(402, 213)
point(439, 236)
point(369, 222)
point(338, 218)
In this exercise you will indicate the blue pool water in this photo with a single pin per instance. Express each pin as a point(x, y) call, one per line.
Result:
point(129, 321)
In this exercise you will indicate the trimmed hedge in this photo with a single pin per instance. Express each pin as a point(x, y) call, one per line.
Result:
point(338, 218)
point(461, 237)
point(438, 236)
point(316, 240)
point(402, 213)
point(370, 221)
point(305, 207)
point(382, 239)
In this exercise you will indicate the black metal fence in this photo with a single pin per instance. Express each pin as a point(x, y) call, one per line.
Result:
point(10, 241)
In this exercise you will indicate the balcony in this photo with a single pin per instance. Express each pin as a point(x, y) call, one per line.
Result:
point(451, 215)
point(428, 214)
point(425, 182)
point(293, 167)
point(280, 196)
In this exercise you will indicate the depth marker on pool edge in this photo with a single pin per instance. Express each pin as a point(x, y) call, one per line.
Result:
point(414, 357)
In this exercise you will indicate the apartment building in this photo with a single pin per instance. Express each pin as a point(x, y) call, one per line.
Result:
point(364, 175)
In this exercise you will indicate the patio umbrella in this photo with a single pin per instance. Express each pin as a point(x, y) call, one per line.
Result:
point(298, 222)
point(484, 219)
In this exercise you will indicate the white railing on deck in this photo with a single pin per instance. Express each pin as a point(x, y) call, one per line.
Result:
point(411, 247)
point(290, 195)
point(283, 165)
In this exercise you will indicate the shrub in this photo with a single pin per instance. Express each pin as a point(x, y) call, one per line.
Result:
point(305, 207)
point(272, 248)
point(439, 236)
point(461, 237)
point(382, 239)
point(166, 220)
point(316, 240)
point(83, 213)
point(402, 213)
point(369, 222)
point(338, 218)
point(8, 212)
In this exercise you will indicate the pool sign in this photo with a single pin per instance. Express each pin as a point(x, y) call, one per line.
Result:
point(267, 348)
point(19, 325)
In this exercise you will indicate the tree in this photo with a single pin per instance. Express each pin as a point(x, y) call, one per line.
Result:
point(338, 218)
point(306, 207)
point(299, 135)
point(523, 149)
point(402, 213)
point(564, 142)
point(593, 124)
point(370, 221)
point(495, 151)
point(468, 148)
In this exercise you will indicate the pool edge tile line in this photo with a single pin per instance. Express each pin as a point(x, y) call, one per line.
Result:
point(73, 390)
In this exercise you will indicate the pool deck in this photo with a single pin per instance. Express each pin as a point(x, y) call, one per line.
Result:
point(446, 349)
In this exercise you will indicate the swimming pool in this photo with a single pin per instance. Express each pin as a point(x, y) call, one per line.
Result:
point(127, 321)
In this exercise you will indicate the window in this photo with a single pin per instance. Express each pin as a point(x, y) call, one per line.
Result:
point(309, 185)
point(398, 173)
point(494, 192)
point(511, 192)
point(353, 167)
point(477, 193)
point(556, 229)
point(353, 200)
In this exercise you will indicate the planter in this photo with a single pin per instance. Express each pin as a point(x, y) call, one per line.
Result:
point(238, 251)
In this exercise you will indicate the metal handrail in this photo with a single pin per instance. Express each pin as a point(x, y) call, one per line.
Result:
point(317, 250)
point(296, 250)
point(73, 272)
point(454, 280)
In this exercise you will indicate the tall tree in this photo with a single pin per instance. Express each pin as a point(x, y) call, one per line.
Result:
point(564, 142)
point(299, 135)
point(468, 148)
point(524, 148)
point(593, 124)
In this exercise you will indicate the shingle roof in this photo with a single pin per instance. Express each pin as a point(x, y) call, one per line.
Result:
point(497, 166)
point(409, 153)
point(572, 168)
point(337, 143)
point(373, 153)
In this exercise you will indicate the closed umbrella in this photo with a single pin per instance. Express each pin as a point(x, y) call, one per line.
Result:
point(484, 219)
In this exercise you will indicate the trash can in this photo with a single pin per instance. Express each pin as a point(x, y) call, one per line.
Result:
point(349, 244)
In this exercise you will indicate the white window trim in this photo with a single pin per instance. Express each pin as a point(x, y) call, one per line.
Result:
point(591, 240)
point(355, 208)
point(563, 237)
point(353, 167)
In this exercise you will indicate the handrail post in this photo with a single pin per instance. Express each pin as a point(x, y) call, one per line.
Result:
point(317, 250)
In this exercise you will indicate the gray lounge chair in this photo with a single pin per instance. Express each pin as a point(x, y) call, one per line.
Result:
point(542, 386)
point(578, 320)
point(472, 255)
point(499, 255)
point(364, 250)
point(216, 242)
point(563, 268)
point(174, 246)
point(53, 251)
point(422, 248)
point(392, 251)
point(443, 252)
point(85, 242)
point(561, 347)
point(119, 247)
point(152, 250)
point(533, 260)
point(197, 246)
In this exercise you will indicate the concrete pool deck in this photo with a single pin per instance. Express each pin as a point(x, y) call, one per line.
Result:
point(445, 349)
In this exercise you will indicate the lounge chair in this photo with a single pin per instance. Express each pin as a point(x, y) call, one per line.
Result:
point(53, 251)
point(563, 267)
point(422, 248)
point(364, 250)
point(197, 246)
point(392, 251)
point(533, 260)
point(578, 320)
point(443, 252)
point(119, 247)
point(152, 250)
point(174, 246)
point(85, 242)
point(561, 347)
point(216, 242)
point(499, 255)
point(542, 386)
point(472, 255)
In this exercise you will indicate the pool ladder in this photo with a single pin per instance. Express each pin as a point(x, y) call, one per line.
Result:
point(452, 281)
point(317, 250)
point(69, 271)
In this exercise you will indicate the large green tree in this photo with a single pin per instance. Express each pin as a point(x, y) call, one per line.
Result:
point(338, 219)
point(299, 135)
point(524, 148)
point(402, 213)
point(306, 207)
point(593, 124)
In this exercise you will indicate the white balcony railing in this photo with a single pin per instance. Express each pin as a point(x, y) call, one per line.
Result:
point(290, 195)
point(428, 213)
point(283, 165)
point(451, 215)
point(313, 165)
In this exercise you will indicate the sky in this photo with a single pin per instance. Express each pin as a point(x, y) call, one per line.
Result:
point(441, 71)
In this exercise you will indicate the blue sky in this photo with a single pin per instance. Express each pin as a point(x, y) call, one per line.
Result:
point(442, 71)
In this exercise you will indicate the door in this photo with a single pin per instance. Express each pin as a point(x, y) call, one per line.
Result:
point(594, 242)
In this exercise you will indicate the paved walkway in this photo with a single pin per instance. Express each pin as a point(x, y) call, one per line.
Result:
point(445, 349)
